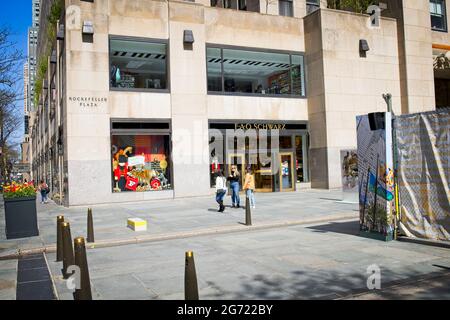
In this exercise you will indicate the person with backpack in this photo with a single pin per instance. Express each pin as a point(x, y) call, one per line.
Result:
point(44, 189)
point(221, 189)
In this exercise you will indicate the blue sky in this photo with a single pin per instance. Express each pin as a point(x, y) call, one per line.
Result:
point(16, 15)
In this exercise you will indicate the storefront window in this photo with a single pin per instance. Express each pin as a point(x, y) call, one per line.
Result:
point(138, 64)
point(140, 163)
point(255, 72)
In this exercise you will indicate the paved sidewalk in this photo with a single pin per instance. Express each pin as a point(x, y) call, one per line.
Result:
point(180, 218)
point(319, 261)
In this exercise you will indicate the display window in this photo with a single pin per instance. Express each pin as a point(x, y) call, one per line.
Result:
point(138, 64)
point(239, 71)
point(140, 163)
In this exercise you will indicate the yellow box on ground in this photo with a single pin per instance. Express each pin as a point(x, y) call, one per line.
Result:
point(137, 224)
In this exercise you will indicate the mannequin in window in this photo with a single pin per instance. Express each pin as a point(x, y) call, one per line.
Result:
point(121, 172)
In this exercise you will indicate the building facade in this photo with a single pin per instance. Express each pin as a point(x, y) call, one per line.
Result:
point(29, 85)
point(143, 98)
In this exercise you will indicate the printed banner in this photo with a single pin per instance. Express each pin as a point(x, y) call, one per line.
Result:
point(423, 143)
point(349, 174)
point(376, 178)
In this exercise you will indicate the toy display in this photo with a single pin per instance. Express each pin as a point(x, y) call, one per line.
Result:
point(137, 169)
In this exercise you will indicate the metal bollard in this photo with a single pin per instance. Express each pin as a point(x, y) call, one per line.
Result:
point(59, 238)
point(190, 278)
point(68, 257)
point(90, 227)
point(248, 213)
point(84, 292)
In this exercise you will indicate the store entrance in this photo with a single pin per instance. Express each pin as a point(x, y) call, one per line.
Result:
point(275, 170)
point(286, 173)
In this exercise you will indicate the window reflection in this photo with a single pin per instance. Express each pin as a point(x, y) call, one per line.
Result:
point(138, 64)
point(255, 72)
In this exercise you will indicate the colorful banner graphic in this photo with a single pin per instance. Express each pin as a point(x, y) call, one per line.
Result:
point(376, 180)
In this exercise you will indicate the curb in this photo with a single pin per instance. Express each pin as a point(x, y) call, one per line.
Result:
point(182, 235)
point(433, 243)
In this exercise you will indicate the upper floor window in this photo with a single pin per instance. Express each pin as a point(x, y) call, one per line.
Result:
point(255, 72)
point(138, 64)
point(244, 5)
point(285, 8)
point(438, 15)
point(312, 5)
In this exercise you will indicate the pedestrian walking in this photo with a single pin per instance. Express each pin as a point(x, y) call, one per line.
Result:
point(221, 189)
point(249, 187)
point(234, 179)
point(44, 189)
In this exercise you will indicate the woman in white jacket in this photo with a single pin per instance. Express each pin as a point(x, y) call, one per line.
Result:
point(221, 189)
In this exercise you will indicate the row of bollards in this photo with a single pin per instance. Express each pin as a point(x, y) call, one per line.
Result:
point(74, 255)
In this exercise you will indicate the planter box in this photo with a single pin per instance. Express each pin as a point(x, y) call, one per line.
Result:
point(21, 218)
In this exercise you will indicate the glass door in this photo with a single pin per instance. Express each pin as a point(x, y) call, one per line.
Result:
point(287, 182)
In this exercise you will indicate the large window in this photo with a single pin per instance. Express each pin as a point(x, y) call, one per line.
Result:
point(140, 160)
point(244, 5)
point(285, 8)
point(438, 15)
point(138, 64)
point(255, 72)
point(312, 5)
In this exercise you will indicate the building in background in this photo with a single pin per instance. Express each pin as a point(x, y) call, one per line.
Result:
point(29, 76)
point(137, 91)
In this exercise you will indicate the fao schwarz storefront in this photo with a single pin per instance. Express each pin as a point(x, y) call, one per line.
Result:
point(247, 143)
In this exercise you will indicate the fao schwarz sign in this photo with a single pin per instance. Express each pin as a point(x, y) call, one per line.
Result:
point(88, 101)
point(258, 126)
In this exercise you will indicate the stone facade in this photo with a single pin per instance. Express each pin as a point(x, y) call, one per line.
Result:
point(340, 84)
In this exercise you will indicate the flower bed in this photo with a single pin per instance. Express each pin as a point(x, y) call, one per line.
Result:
point(20, 210)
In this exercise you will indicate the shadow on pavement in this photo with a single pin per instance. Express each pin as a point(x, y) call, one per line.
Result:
point(314, 284)
point(348, 227)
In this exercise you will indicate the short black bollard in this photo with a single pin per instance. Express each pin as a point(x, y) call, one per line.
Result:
point(190, 278)
point(59, 238)
point(90, 227)
point(248, 213)
point(68, 257)
point(84, 292)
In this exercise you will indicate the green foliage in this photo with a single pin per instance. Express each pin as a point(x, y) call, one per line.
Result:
point(55, 13)
point(358, 6)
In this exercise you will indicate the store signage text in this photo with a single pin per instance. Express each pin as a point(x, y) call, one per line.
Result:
point(88, 101)
point(258, 126)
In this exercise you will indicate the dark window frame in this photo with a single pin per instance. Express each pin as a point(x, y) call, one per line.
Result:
point(291, 8)
point(444, 16)
point(246, 94)
point(147, 40)
point(145, 132)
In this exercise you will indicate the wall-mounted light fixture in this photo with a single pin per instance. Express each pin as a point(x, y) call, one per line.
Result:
point(188, 39)
point(88, 31)
point(88, 27)
point(363, 48)
point(53, 57)
point(60, 33)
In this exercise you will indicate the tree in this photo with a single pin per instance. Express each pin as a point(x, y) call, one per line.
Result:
point(11, 61)
point(358, 6)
